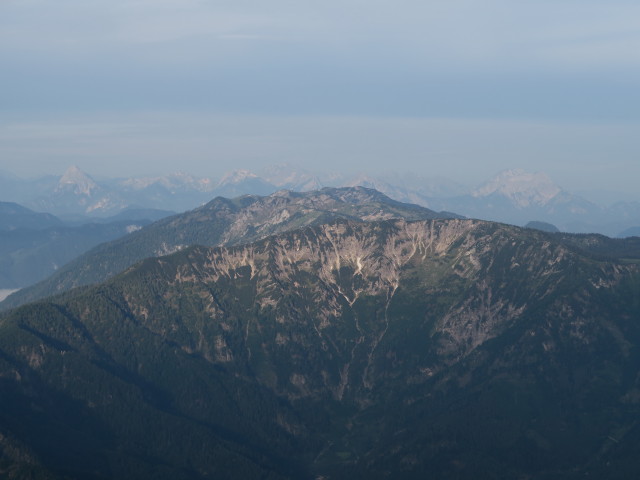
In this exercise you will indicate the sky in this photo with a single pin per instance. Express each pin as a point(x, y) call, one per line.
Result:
point(455, 88)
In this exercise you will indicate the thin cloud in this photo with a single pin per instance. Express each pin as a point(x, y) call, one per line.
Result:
point(496, 58)
point(495, 33)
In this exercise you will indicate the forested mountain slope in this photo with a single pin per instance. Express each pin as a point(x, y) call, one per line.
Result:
point(389, 349)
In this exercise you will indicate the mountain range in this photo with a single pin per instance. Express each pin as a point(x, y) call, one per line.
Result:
point(387, 348)
point(14, 216)
point(223, 222)
point(512, 196)
point(220, 222)
point(34, 245)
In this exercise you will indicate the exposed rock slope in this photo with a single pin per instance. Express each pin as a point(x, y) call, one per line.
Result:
point(223, 222)
point(439, 348)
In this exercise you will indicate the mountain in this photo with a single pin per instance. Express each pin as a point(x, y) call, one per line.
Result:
point(288, 177)
point(28, 256)
point(603, 247)
point(14, 216)
point(137, 214)
point(179, 182)
point(512, 196)
point(544, 226)
point(77, 196)
point(34, 245)
point(522, 188)
point(630, 232)
point(627, 216)
point(243, 182)
point(386, 349)
point(223, 222)
point(76, 182)
point(23, 191)
point(77, 193)
point(176, 191)
point(410, 188)
point(393, 191)
point(515, 196)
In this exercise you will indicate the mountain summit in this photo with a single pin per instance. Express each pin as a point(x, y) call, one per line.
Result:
point(77, 182)
point(243, 182)
point(524, 189)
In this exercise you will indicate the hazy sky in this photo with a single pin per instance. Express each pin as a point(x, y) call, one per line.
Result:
point(458, 88)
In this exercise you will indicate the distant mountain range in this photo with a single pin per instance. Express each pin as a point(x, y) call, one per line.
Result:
point(34, 245)
point(513, 196)
point(14, 216)
point(631, 232)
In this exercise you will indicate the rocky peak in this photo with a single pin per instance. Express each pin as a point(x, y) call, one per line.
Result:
point(289, 177)
point(174, 182)
point(236, 176)
point(76, 181)
point(523, 188)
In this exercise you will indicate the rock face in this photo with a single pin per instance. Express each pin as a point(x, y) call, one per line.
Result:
point(77, 182)
point(224, 222)
point(390, 349)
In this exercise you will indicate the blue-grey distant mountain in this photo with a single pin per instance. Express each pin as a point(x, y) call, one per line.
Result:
point(243, 182)
point(24, 191)
point(28, 255)
point(133, 214)
point(516, 196)
point(76, 194)
point(513, 196)
point(543, 226)
point(414, 189)
point(287, 177)
point(14, 216)
point(630, 232)
point(34, 245)
point(176, 192)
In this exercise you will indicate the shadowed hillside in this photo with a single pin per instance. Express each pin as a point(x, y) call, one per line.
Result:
point(393, 349)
